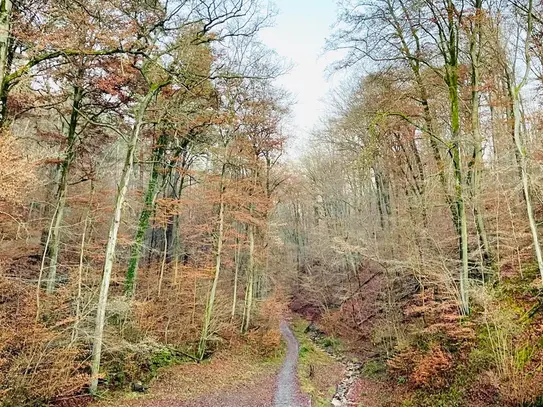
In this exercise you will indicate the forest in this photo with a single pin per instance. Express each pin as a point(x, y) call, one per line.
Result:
point(158, 239)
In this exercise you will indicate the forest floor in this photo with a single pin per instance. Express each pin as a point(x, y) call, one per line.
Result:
point(227, 380)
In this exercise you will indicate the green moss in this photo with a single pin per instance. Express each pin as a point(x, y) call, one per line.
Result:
point(311, 356)
point(332, 343)
point(125, 368)
point(451, 397)
point(537, 403)
point(374, 369)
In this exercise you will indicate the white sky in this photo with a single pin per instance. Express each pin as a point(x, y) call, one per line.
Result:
point(299, 35)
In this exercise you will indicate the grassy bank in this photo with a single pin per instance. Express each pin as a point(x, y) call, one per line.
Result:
point(318, 372)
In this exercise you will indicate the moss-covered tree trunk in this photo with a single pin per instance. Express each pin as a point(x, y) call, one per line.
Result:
point(145, 214)
point(6, 8)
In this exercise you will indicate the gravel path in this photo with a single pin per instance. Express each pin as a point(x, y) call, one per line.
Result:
point(287, 393)
point(266, 388)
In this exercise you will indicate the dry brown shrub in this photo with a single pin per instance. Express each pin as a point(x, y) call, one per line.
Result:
point(266, 337)
point(36, 362)
point(17, 171)
point(522, 389)
point(174, 317)
point(424, 369)
point(430, 368)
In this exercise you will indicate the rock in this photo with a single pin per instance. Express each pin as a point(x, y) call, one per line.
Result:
point(139, 387)
point(353, 368)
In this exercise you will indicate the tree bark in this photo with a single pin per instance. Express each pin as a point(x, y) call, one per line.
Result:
point(62, 190)
point(450, 56)
point(145, 215)
point(163, 264)
point(246, 323)
point(80, 267)
point(211, 298)
point(237, 264)
point(113, 233)
point(6, 8)
point(520, 146)
point(477, 161)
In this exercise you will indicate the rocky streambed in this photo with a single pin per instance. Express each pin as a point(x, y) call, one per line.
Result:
point(353, 368)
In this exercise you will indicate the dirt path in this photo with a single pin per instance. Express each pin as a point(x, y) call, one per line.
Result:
point(287, 393)
point(227, 381)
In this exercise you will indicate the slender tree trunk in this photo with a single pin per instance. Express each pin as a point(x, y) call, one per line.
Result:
point(113, 233)
point(477, 161)
point(62, 190)
point(176, 244)
point(459, 188)
point(520, 146)
point(237, 261)
point(379, 195)
point(211, 298)
point(420, 181)
point(42, 268)
point(163, 264)
point(80, 267)
point(176, 248)
point(246, 323)
point(249, 291)
point(523, 168)
point(5, 42)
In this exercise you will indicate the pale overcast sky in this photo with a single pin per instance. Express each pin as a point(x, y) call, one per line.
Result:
point(299, 35)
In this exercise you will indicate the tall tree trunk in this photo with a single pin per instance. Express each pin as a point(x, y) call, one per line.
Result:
point(6, 8)
point(414, 64)
point(249, 291)
point(519, 142)
point(176, 244)
point(450, 55)
point(80, 267)
point(246, 323)
point(211, 298)
point(237, 264)
point(163, 263)
point(62, 190)
point(477, 161)
point(379, 198)
point(145, 215)
point(113, 233)
point(523, 169)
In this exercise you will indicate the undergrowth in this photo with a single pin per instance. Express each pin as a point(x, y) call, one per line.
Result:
point(318, 372)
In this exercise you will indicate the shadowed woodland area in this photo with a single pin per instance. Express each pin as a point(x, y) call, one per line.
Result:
point(150, 217)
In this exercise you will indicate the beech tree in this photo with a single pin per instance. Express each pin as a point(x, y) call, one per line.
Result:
point(161, 68)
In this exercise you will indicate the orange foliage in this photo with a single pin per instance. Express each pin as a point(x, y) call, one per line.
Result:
point(266, 337)
point(428, 369)
point(36, 361)
point(16, 171)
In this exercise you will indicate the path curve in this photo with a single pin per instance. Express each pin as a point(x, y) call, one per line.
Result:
point(287, 393)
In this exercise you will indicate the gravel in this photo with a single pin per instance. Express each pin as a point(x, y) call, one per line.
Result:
point(287, 393)
point(265, 389)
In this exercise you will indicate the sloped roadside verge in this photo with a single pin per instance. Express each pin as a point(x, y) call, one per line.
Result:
point(352, 368)
point(320, 374)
